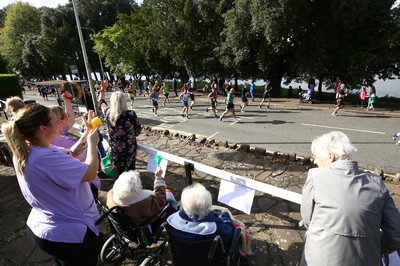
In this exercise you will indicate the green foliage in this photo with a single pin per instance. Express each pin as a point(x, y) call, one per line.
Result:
point(21, 19)
point(9, 86)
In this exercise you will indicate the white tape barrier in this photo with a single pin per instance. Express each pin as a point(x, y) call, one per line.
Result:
point(237, 179)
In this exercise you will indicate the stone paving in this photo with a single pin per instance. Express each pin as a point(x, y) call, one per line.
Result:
point(276, 237)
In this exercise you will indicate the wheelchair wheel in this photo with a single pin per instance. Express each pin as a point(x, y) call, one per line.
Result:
point(5, 155)
point(153, 260)
point(113, 251)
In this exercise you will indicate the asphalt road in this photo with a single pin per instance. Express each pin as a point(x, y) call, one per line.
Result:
point(282, 128)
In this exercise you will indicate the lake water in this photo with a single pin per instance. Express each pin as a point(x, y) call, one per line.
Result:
point(388, 87)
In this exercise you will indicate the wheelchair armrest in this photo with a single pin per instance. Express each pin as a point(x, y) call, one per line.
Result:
point(216, 242)
point(159, 232)
point(235, 241)
point(104, 215)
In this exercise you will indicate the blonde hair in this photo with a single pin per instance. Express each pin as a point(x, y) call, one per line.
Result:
point(13, 104)
point(196, 201)
point(117, 106)
point(17, 132)
point(59, 111)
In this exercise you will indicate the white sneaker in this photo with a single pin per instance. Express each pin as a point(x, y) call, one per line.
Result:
point(334, 114)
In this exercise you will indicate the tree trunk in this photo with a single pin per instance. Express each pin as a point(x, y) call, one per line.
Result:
point(320, 86)
point(236, 83)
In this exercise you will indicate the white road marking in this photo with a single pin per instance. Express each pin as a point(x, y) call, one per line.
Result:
point(234, 122)
point(343, 128)
point(211, 136)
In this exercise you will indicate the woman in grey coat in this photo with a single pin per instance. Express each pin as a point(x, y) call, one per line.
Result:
point(345, 209)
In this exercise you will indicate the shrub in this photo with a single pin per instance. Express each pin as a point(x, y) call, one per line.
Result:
point(9, 86)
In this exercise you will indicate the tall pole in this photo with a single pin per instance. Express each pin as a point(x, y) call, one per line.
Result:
point(101, 64)
point(85, 59)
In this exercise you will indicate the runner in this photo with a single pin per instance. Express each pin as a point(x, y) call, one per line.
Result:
point(212, 97)
point(185, 101)
point(132, 92)
point(339, 98)
point(230, 107)
point(267, 95)
point(165, 89)
point(154, 97)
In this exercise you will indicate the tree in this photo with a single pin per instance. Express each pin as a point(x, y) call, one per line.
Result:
point(21, 19)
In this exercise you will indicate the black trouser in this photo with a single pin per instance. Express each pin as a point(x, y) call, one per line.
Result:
point(70, 253)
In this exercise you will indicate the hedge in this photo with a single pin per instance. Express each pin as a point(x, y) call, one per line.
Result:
point(9, 86)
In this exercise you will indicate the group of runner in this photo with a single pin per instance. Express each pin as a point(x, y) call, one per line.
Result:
point(188, 93)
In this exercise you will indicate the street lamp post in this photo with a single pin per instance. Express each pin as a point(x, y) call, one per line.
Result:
point(101, 64)
point(85, 59)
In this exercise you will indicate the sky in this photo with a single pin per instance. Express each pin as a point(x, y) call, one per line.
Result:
point(39, 3)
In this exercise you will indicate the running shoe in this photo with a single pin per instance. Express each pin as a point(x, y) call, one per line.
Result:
point(394, 136)
point(268, 107)
point(334, 114)
point(207, 109)
point(152, 109)
point(220, 118)
point(259, 106)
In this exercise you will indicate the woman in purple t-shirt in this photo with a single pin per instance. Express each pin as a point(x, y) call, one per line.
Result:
point(57, 186)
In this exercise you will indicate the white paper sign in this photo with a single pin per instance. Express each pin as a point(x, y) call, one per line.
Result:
point(152, 165)
point(236, 196)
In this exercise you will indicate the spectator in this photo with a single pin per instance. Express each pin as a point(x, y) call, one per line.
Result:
point(175, 86)
point(123, 128)
point(13, 104)
point(344, 208)
point(140, 204)
point(63, 215)
point(362, 97)
point(195, 222)
point(372, 98)
point(252, 90)
point(290, 92)
point(221, 84)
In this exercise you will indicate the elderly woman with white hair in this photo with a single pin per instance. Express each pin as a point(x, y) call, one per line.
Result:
point(196, 221)
point(345, 209)
point(139, 204)
point(123, 128)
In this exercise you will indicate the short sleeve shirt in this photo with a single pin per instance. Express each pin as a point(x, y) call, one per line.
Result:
point(63, 207)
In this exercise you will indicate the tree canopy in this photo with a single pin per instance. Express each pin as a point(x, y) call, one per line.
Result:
point(246, 39)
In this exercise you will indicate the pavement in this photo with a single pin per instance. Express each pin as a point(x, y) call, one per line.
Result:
point(273, 223)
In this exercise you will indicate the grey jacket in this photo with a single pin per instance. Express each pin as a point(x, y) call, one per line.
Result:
point(345, 209)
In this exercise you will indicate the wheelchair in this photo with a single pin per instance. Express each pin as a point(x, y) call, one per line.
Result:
point(5, 154)
point(208, 252)
point(130, 241)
